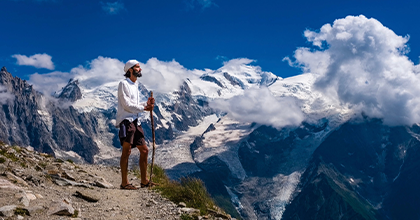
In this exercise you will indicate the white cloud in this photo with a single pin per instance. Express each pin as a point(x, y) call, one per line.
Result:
point(361, 64)
point(112, 7)
point(99, 71)
point(5, 96)
point(203, 4)
point(164, 76)
point(261, 106)
point(37, 60)
point(50, 82)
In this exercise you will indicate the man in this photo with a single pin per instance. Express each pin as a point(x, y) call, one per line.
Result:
point(129, 114)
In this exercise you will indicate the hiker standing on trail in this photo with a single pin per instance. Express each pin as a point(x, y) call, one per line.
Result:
point(129, 112)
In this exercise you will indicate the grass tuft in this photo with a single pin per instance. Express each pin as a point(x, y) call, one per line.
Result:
point(189, 190)
point(188, 217)
point(23, 164)
point(70, 161)
point(2, 159)
point(75, 214)
point(21, 211)
point(9, 155)
point(17, 149)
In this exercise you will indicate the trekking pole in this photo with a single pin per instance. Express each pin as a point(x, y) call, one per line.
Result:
point(153, 138)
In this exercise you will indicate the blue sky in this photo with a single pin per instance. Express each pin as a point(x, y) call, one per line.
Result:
point(196, 33)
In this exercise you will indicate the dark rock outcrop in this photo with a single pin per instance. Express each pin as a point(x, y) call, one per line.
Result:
point(233, 80)
point(212, 79)
point(71, 92)
point(365, 167)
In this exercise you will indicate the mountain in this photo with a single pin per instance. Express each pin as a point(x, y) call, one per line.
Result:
point(333, 165)
point(366, 169)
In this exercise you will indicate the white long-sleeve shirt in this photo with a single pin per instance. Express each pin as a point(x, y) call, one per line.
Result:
point(130, 106)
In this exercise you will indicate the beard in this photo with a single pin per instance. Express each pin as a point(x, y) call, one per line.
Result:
point(137, 73)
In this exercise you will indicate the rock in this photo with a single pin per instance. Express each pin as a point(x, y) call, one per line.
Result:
point(153, 201)
point(61, 208)
point(3, 168)
point(18, 172)
point(103, 184)
point(39, 196)
point(190, 211)
point(35, 209)
point(24, 200)
point(20, 217)
point(65, 182)
point(67, 175)
point(182, 205)
point(86, 196)
point(16, 179)
point(30, 196)
point(7, 211)
point(36, 181)
point(218, 214)
point(5, 184)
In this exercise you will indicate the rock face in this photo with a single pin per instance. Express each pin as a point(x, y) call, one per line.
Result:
point(319, 170)
point(71, 92)
point(20, 121)
point(53, 125)
point(364, 169)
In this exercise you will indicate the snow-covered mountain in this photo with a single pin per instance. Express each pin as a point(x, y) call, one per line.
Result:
point(214, 139)
point(259, 160)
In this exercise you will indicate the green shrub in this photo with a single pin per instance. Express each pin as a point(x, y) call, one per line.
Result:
point(70, 161)
point(2, 159)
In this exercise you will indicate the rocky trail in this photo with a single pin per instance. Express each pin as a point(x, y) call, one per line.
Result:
point(37, 186)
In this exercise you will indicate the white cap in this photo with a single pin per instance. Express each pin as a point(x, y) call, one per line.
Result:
point(130, 64)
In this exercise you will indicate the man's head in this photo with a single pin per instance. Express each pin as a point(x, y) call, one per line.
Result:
point(132, 68)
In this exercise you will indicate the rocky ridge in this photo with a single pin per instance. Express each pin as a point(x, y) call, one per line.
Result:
point(38, 186)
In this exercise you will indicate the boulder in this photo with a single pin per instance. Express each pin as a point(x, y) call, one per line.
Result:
point(7, 211)
point(61, 208)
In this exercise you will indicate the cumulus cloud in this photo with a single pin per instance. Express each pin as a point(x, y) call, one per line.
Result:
point(99, 71)
point(112, 7)
point(164, 76)
point(361, 64)
point(5, 96)
point(261, 106)
point(203, 4)
point(50, 82)
point(37, 60)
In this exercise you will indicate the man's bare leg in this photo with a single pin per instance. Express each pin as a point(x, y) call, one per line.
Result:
point(144, 152)
point(126, 151)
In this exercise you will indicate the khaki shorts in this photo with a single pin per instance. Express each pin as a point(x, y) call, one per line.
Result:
point(132, 133)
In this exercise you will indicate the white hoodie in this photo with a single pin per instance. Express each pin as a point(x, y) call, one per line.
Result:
point(129, 105)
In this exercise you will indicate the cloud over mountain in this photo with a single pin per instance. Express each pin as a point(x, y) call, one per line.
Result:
point(261, 106)
point(361, 64)
point(5, 96)
point(36, 60)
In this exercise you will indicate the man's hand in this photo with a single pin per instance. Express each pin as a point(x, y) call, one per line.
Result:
point(149, 108)
point(151, 101)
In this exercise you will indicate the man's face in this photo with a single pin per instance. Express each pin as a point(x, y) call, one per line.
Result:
point(137, 70)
